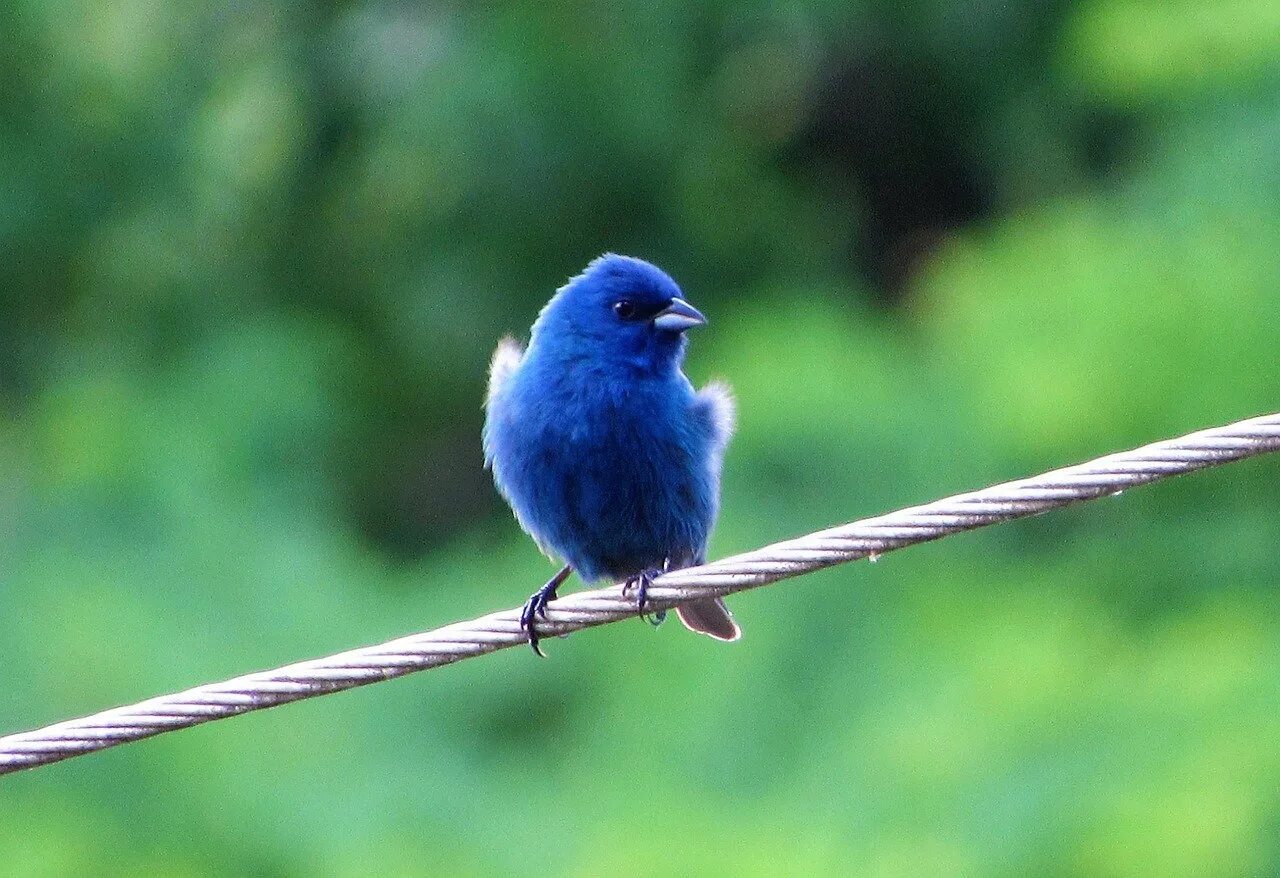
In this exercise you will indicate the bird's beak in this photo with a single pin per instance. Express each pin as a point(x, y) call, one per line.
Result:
point(678, 316)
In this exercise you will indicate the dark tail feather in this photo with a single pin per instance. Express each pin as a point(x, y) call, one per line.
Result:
point(710, 617)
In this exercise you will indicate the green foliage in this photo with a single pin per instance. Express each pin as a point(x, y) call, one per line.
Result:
point(254, 261)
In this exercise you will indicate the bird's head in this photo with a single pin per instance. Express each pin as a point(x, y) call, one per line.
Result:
point(621, 308)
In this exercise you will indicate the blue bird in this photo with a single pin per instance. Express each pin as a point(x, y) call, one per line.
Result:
point(608, 456)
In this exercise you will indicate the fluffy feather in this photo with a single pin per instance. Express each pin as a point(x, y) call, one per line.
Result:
point(506, 359)
point(716, 400)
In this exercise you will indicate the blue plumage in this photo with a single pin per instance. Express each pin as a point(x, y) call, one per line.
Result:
point(606, 453)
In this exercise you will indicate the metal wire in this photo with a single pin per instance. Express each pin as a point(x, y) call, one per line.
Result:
point(861, 539)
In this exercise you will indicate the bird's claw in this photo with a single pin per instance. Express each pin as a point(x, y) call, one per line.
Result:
point(537, 606)
point(639, 584)
point(534, 607)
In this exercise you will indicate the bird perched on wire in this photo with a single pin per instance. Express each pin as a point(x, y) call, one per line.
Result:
point(606, 453)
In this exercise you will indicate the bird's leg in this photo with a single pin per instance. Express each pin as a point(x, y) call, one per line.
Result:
point(537, 606)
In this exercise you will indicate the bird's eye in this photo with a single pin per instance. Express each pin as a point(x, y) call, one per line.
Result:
point(625, 309)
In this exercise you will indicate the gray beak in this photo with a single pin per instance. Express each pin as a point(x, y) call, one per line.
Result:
point(678, 316)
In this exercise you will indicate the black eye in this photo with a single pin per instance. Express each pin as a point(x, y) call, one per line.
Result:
point(626, 309)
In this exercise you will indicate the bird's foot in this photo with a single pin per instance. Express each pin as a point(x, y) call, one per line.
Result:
point(639, 584)
point(537, 606)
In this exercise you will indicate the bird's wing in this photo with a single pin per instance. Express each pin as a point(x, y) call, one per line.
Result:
point(715, 403)
point(506, 359)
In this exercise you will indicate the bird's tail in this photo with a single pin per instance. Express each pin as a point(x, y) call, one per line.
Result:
point(710, 617)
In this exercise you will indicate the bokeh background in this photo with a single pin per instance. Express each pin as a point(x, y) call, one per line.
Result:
point(253, 260)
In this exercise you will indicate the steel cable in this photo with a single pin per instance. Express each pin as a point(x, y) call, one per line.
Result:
point(867, 538)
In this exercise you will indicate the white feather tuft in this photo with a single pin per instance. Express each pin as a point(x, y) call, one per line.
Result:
point(506, 359)
point(717, 398)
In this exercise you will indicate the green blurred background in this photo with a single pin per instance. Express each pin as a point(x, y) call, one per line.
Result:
point(253, 260)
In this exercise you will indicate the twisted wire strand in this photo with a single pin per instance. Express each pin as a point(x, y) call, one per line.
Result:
point(867, 538)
